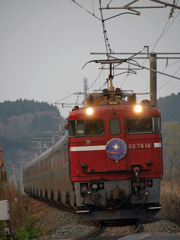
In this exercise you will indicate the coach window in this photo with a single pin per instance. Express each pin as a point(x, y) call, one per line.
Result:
point(41, 166)
point(46, 165)
point(37, 168)
point(115, 127)
point(33, 170)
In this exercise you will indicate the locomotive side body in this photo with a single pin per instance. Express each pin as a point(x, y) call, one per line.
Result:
point(116, 161)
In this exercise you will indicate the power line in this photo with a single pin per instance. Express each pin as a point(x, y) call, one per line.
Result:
point(96, 79)
point(160, 36)
point(173, 63)
point(168, 80)
point(107, 45)
point(163, 33)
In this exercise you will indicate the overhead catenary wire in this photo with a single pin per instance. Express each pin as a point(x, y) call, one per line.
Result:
point(107, 45)
point(157, 78)
point(124, 81)
point(171, 23)
point(173, 63)
point(106, 40)
point(64, 98)
point(163, 32)
point(161, 35)
point(93, 6)
point(168, 80)
point(95, 79)
point(143, 67)
point(85, 10)
point(120, 80)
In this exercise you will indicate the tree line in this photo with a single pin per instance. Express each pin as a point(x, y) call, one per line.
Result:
point(18, 107)
point(170, 108)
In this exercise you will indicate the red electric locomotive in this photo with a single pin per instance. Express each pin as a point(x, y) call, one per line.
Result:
point(115, 157)
point(109, 165)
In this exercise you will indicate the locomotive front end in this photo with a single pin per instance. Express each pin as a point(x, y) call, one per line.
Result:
point(115, 159)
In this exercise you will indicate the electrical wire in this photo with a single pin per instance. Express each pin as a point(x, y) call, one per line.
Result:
point(163, 32)
point(86, 10)
point(93, 6)
point(171, 24)
point(109, 4)
point(107, 45)
point(173, 63)
point(124, 81)
point(168, 80)
point(157, 78)
point(159, 36)
point(102, 86)
point(96, 79)
point(64, 98)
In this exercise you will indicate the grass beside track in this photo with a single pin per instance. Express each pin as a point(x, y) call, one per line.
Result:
point(21, 210)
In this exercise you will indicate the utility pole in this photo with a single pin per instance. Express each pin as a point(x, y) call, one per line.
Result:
point(153, 80)
point(85, 88)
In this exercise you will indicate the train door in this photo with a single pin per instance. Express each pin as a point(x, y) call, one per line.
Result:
point(116, 147)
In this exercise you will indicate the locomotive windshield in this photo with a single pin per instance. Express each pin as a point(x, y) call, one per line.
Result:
point(143, 125)
point(86, 127)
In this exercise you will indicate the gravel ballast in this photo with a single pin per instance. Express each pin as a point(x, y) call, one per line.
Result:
point(59, 224)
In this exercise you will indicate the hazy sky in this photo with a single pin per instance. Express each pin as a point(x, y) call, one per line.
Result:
point(45, 43)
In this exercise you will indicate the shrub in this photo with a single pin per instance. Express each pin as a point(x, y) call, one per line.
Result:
point(170, 201)
point(21, 220)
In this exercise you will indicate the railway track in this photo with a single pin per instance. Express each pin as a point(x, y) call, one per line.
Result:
point(95, 232)
point(100, 226)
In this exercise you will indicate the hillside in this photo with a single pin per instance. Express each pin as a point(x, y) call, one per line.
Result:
point(21, 129)
point(170, 108)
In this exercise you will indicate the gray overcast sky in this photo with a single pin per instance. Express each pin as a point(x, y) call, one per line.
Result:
point(45, 43)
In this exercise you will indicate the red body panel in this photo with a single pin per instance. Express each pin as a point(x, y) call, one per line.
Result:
point(140, 147)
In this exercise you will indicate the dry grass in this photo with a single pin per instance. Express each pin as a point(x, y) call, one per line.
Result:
point(21, 208)
point(173, 177)
point(170, 201)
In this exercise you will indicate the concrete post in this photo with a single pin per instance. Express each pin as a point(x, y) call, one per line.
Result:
point(153, 78)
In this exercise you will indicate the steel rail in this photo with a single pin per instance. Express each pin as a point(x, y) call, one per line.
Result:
point(94, 233)
point(138, 229)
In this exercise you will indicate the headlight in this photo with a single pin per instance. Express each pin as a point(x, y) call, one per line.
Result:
point(138, 108)
point(89, 111)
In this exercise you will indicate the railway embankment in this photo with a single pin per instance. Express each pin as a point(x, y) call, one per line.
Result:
point(42, 221)
point(59, 224)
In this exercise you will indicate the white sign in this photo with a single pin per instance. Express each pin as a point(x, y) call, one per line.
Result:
point(4, 210)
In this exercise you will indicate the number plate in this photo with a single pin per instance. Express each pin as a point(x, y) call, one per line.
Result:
point(139, 145)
